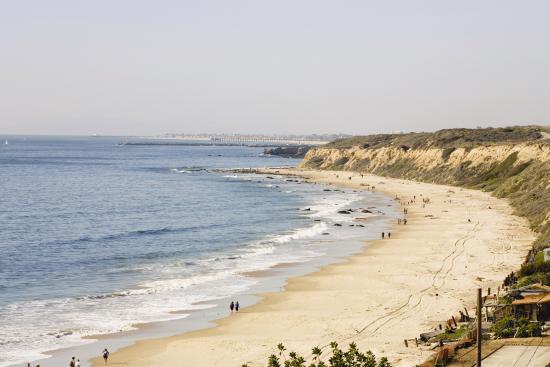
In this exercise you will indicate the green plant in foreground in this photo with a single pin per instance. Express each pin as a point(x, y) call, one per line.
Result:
point(338, 358)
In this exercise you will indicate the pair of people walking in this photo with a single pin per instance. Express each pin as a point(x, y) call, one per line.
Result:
point(74, 362)
point(234, 306)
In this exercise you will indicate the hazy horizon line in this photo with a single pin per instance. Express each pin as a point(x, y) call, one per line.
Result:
point(267, 134)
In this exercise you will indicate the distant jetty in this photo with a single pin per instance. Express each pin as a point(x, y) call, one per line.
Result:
point(249, 139)
point(202, 143)
point(288, 146)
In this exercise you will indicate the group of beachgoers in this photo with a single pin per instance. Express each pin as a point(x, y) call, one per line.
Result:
point(406, 210)
point(234, 306)
point(369, 187)
point(75, 362)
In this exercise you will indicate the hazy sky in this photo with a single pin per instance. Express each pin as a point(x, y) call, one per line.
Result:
point(150, 67)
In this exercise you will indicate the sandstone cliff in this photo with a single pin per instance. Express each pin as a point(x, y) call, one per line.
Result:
point(512, 163)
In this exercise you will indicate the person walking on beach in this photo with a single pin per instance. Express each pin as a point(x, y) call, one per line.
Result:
point(105, 355)
point(383, 235)
point(237, 306)
point(231, 306)
point(389, 235)
point(78, 363)
point(72, 363)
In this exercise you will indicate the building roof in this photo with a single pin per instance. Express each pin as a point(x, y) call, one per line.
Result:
point(532, 299)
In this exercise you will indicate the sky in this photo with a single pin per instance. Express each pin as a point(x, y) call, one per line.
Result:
point(131, 67)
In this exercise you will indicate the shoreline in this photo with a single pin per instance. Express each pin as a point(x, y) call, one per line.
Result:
point(376, 298)
point(203, 315)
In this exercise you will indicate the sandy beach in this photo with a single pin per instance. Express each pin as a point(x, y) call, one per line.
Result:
point(395, 289)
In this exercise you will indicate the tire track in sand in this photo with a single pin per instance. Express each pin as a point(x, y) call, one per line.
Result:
point(403, 310)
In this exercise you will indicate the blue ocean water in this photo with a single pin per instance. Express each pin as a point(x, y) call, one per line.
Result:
point(96, 236)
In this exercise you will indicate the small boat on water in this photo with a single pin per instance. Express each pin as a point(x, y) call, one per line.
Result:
point(6, 142)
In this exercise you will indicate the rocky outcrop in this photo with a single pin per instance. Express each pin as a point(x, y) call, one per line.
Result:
point(298, 151)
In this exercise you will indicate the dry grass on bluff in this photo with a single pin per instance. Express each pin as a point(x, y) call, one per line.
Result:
point(447, 138)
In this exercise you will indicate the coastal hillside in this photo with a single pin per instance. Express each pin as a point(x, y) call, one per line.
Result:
point(511, 163)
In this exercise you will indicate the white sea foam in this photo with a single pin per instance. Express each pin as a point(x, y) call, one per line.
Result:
point(70, 319)
point(316, 229)
point(180, 170)
point(180, 285)
point(328, 207)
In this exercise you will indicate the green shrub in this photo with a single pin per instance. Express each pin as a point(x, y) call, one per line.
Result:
point(447, 153)
point(499, 170)
point(504, 328)
point(360, 164)
point(534, 329)
point(340, 162)
point(543, 278)
point(535, 267)
point(522, 332)
point(315, 162)
point(455, 334)
point(508, 327)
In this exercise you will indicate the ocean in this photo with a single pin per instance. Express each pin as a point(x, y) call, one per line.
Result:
point(96, 236)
